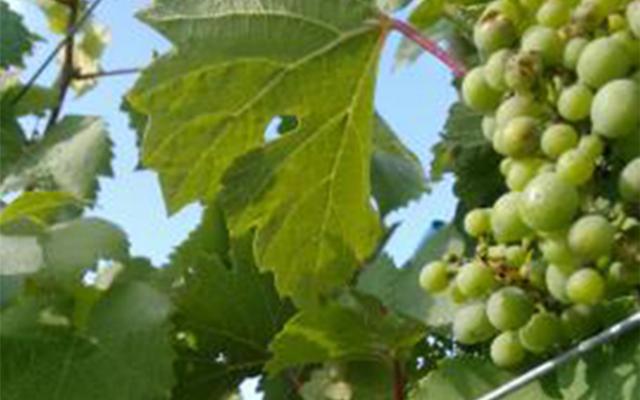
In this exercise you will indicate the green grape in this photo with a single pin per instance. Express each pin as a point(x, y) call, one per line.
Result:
point(497, 252)
point(494, 31)
point(633, 17)
point(471, 325)
point(578, 322)
point(630, 44)
point(523, 71)
point(589, 14)
point(585, 286)
point(506, 350)
point(456, 295)
point(495, 67)
point(520, 137)
point(516, 256)
point(555, 279)
point(531, 5)
point(544, 41)
point(614, 112)
point(488, 127)
point(556, 250)
point(554, 13)
point(475, 279)
point(575, 167)
point(548, 203)
point(541, 333)
point(434, 277)
point(477, 222)
point(592, 237)
point(624, 275)
point(574, 103)
point(509, 308)
point(477, 93)
point(627, 147)
point(505, 165)
point(557, 139)
point(629, 182)
point(517, 106)
point(522, 172)
point(602, 61)
point(506, 224)
point(534, 273)
point(592, 146)
point(572, 52)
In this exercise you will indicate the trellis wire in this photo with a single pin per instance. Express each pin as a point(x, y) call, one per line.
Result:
point(625, 326)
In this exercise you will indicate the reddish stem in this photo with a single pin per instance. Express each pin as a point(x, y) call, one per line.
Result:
point(398, 381)
point(430, 46)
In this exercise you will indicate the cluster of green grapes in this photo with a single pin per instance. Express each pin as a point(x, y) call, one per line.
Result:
point(559, 88)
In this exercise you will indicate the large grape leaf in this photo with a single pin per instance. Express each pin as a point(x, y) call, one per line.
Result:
point(398, 288)
point(69, 158)
point(237, 66)
point(355, 330)
point(33, 211)
point(124, 352)
point(397, 176)
point(227, 307)
point(362, 380)
point(465, 152)
point(16, 40)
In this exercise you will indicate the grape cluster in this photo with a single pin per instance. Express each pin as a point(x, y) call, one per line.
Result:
point(560, 92)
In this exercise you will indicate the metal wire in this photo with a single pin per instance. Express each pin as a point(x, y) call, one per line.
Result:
point(625, 326)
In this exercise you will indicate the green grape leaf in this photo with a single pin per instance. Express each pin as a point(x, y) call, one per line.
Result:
point(360, 380)
point(16, 40)
point(87, 53)
point(57, 15)
point(72, 247)
point(397, 176)
point(33, 211)
point(398, 288)
point(69, 158)
point(359, 329)
point(123, 353)
point(227, 312)
point(12, 140)
point(465, 152)
point(36, 101)
point(20, 255)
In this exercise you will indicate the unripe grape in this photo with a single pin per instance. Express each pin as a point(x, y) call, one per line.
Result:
point(614, 112)
point(522, 172)
point(585, 286)
point(471, 325)
point(591, 237)
point(629, 182)
point(556, 250)
point(630, 44)
point(523, 71)
point(505, 165)
point(509, 308)
point(548, 203)
point(434, 277)
point(556, 282)
point(544, 41)
point(541, 333)
point(557, 139)
point(575, 167)
point(506, 224)
point(572, 52)
point(506, 350)
point(475, 279)
point(488, 127)
point(601, 61)
point(578, 322)
point(627, 147)
point(477, 222)
point(494, 31)
point(589, 14)
point(623, 274)
point(517, 106)
point(477, 93)
point(574, 103)
point(521, 137)
point(633, 17)
point(554, 13)
point(494, 69)
point(515, 256)
point(531, 5)
point(456, 295)
point(592, 146)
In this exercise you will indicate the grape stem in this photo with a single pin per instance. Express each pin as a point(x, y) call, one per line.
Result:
point(429, 46)
point(398, 381)
point(103, 74)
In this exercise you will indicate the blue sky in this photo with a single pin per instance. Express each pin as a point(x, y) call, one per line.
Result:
point(414, 100)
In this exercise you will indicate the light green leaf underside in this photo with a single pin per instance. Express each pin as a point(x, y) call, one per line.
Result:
point(33, 211)
point(363, 380)
point(123, 354)
point(70, 158)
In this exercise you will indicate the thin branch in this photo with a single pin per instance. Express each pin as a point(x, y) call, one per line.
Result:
point(67, 72)
point(430, 46)
point(55, 51)
point(104, 74)
point(625, 326)
point(398, 380)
